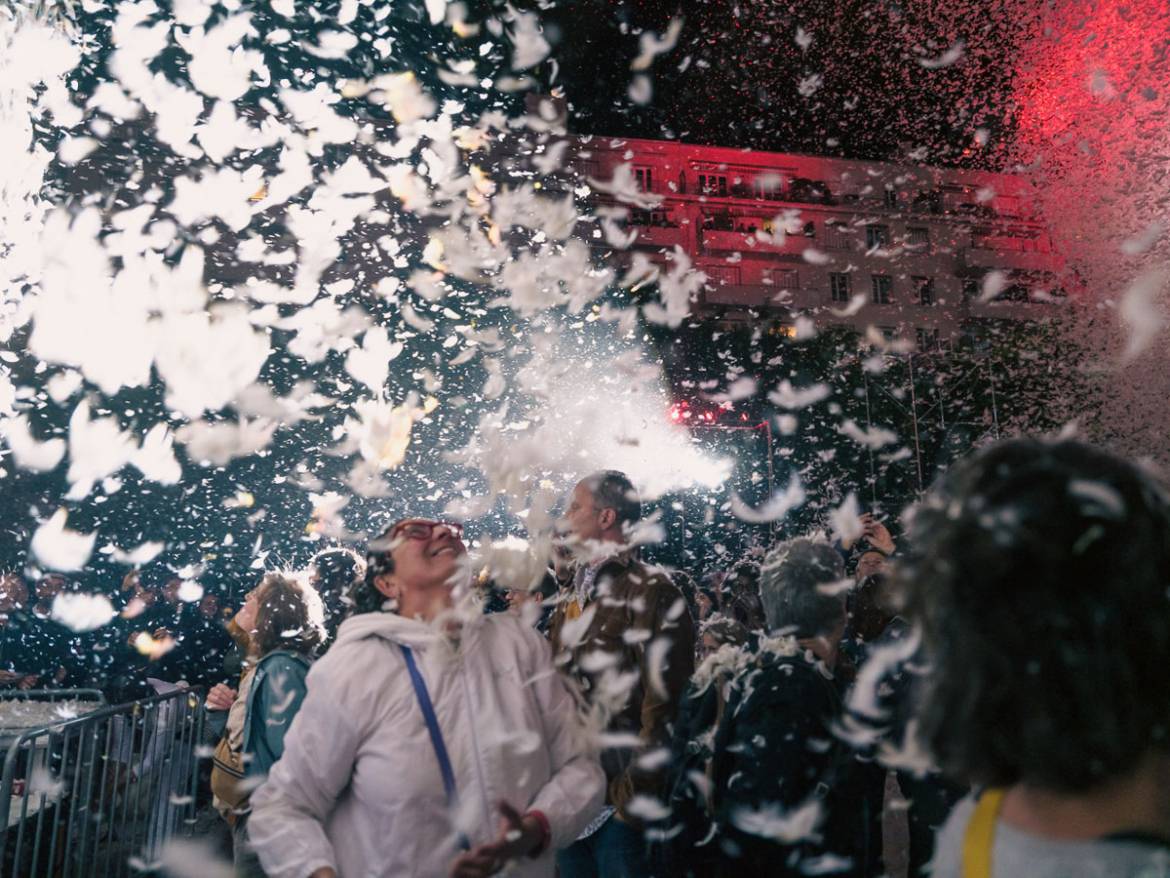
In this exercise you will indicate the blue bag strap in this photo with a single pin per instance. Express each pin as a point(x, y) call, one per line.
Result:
point(432, 721)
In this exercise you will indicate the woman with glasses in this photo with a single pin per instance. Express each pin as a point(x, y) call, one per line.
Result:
point(431, 742)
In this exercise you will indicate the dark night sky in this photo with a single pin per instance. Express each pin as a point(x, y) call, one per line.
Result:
point(734, 79)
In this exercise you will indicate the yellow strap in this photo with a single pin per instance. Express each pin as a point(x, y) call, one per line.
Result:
point(980, 837)
point(572, 610)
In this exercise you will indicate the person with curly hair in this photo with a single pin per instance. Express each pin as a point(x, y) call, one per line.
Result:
point(287, 629)
point(1039, 576)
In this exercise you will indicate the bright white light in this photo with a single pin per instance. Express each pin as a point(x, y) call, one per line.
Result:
point(613, 412)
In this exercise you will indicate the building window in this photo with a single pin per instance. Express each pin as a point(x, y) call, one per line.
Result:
point(836, 236)
point(808, 191)
point(889, 333)
point(924, 290)
point(740, 189)
point(881, 285)
point(980, 238)
point(721, 221)
point(876, 236)
point(970, 290)
point(929, 200)
point(658, 218)
point(918, 237)
point(645, 179)
point(782, 278)
point(768, 187)
point(840, 286)
point(712, 184)
point(890, 198)
point(927, 338)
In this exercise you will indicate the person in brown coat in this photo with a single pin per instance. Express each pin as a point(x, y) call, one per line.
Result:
point(623, 631)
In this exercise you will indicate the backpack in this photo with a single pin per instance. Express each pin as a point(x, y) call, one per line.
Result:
point(227, 776)
point(228, 770)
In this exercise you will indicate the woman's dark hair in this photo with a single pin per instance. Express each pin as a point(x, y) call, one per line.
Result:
point(1038, 573)
point(364, 597)
point(284, 617)
point(338, 570)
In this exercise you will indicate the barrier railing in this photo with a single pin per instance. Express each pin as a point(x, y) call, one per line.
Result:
point(101, 793)
point(25, 709)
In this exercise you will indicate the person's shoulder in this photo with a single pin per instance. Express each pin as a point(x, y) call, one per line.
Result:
point(785, 674)
point(345, 666)
point(283, 661)
point(500, 625)
point(507, 629)
point(651, 580)
point(948, 849)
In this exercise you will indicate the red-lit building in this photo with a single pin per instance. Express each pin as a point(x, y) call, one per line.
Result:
point(782, 235)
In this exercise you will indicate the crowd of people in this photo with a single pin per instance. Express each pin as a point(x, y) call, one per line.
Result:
point(1003, 665)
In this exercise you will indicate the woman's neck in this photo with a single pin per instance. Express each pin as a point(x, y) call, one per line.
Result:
point(426, 606)
point(1137, 802)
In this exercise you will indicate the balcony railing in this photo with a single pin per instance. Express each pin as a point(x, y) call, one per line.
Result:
point(766, 296)
point(718, 239)
point(660, 236)
point(976, 259)
point(721, 241)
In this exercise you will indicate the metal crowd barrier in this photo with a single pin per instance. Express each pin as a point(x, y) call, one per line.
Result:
point(101, 793)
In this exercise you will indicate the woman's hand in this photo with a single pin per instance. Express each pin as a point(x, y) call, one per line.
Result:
point(520, 835)
point(324, 872)
point(876, 534)
point(221, 697)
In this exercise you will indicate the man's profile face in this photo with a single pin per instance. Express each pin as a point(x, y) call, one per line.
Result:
point(582, 516)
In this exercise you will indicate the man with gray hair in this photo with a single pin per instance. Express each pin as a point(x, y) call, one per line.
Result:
point(633, 650)
point(777, 768)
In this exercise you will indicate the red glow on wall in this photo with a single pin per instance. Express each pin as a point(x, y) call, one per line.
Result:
point(1091, 113)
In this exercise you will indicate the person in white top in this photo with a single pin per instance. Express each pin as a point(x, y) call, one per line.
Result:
point(361, 789)
point(1038, 576)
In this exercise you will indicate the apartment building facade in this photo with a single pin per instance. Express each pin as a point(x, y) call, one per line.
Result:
point(920, 253)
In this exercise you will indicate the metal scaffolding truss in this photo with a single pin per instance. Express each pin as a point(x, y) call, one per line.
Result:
point(933, 407)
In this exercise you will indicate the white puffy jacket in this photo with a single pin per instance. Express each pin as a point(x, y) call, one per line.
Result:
point(359, 786)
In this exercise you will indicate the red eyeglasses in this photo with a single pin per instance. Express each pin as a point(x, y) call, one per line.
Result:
point(419, 529)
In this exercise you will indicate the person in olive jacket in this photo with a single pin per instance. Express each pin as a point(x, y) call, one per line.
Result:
point(623, 630)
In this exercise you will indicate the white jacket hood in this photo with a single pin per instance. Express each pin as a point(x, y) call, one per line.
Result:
point(388, 626)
